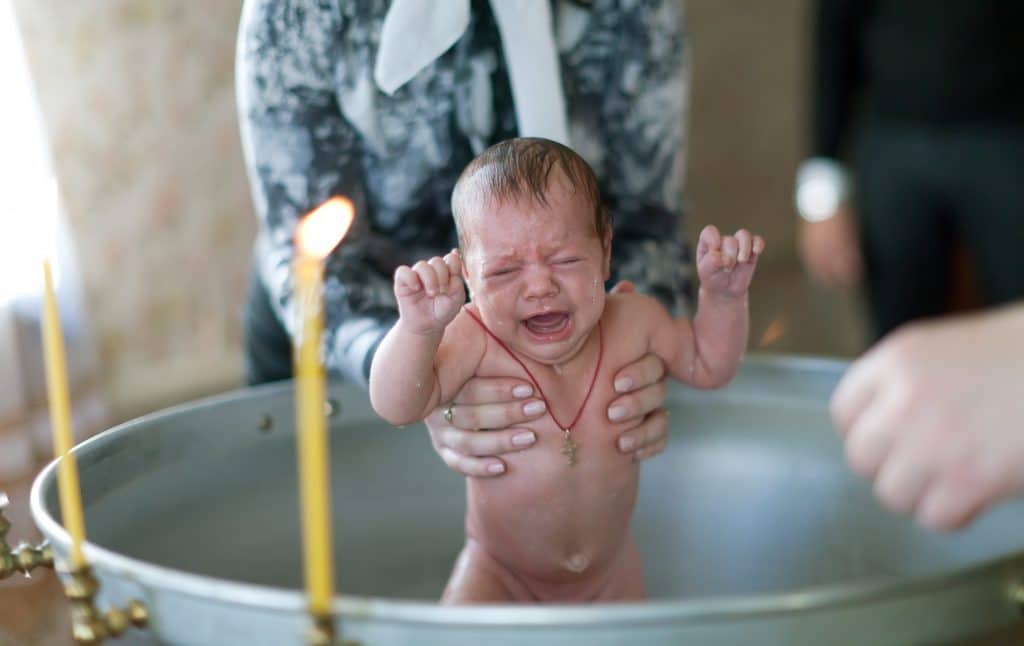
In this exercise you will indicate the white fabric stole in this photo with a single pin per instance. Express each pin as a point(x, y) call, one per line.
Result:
point(417, 32)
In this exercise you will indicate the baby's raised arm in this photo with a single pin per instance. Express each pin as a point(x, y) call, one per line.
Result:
point(705, 352)
point(423, 361)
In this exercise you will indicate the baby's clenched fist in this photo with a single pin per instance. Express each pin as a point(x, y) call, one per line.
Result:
point(726, 264)
point(430, 293)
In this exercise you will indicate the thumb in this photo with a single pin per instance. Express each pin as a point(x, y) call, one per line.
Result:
point(455, 284)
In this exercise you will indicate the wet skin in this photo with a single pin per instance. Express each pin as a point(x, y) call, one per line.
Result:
point(537, 272)
point(548, 530)
point(559, 530)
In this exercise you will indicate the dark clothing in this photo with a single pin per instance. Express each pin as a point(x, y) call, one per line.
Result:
point(919, 190)
point(935, 62)
point(268, 350)
point(927, 97)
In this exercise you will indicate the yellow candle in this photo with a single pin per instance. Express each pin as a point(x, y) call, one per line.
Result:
point(60, 420)
point(318, 234)
point(314, 481)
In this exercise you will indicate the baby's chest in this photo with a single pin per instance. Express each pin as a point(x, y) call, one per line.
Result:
point(572, 405)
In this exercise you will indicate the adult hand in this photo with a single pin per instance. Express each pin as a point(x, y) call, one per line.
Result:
point(503, 403)
point(639, 407)
point(484, 403)
point(934, 416)
point(831, 250)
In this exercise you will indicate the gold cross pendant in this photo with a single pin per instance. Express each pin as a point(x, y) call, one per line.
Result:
point(569, 448)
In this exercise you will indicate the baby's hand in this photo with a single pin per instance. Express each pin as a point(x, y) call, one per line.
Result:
point(726, 265)
point(430, 293)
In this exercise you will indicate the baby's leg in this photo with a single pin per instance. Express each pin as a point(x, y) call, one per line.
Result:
point(478, 578)
point(626, 580)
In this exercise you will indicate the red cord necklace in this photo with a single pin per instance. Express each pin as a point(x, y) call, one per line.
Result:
point(569, 447)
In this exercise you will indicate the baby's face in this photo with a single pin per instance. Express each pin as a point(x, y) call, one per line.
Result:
point(537, 272)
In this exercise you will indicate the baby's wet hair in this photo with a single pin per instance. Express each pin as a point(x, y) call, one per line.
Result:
point(518, 168)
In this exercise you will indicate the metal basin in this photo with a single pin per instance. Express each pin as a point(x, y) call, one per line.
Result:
point(751, 528)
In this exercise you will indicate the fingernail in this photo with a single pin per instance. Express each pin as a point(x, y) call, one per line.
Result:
point(524, 439)
point(521, 391)
point(623, 385)
point(497, 467)
point(534, 408)
point(615, 413)
point(627, 443)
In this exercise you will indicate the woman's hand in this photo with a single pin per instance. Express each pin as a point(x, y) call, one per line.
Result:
point(642, 388)
point(932, 415)
point(642, 384)
point(482, 422)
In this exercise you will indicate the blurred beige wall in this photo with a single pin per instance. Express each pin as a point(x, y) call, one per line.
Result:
point(138, 99)
point(747, 116)
point(747, 133)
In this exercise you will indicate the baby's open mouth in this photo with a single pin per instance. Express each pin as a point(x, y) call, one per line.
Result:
point(548, 323)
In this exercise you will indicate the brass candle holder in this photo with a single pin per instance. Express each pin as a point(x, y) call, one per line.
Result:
point(23, 558)
point(321, 632)
point(88, 624)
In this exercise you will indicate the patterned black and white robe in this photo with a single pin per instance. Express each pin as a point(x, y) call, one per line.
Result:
point(314, 124)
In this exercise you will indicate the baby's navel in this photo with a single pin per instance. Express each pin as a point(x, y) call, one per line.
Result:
point(577, 562)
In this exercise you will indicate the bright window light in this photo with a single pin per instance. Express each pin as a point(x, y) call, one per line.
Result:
point(28, 187)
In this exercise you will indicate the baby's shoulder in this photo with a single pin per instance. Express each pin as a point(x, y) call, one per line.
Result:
point(633, 310)
point(466, 324)
point(464, 336)
point(463, 342)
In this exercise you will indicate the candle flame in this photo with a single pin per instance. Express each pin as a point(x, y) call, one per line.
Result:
point(323, 229)
point(773, 332)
